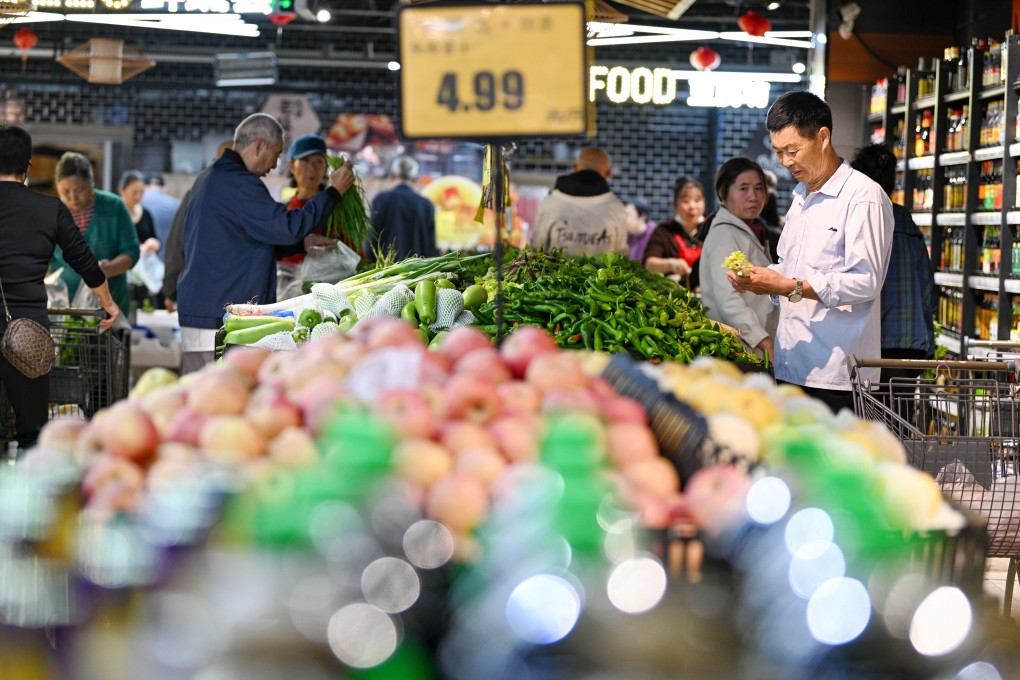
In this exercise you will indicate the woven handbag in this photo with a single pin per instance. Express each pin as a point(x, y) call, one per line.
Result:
point(27, 344)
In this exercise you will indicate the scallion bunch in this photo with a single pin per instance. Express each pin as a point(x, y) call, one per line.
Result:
point(349, 220)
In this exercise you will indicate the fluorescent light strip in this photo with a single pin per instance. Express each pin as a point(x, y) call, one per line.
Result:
point(641, 39)
point(38, 18)
point(740, 36)
point(198, 24)
point(662, 30)
point(739, 75)
point(789, 34)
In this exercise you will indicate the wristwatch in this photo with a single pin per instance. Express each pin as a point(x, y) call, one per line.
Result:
point(798, 291)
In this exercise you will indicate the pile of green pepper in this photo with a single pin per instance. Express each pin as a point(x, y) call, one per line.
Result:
point(608, 303)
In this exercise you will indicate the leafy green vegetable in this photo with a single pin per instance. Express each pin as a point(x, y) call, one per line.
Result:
point(350, 219)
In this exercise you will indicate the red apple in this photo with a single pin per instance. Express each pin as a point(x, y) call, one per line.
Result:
point(557, 371)
point(435, 368)
point(462, 341)
point(231, 440)
point(108, 469)
point(61, 433)
point(274, 369)
point(622, 410)
point(294, 448)
point(470, 398)
point(523, 345)
point(310, 368)
point(218, 391)
point(128, 432)
point(459, 501)
point(571, 400)
point(485, 465)
point(422, 461)
point(458, 435)
point(387, 332)
point(517, 437)
point(247, 360)
point(654, 476)
point(407, 412)
point(717, 498)
point(318, 400)
point(630, 442)
point(601, 387)
point(270, 411)
point(185, 426)
point(484, 363)
point(111, 499)
point(519, 397)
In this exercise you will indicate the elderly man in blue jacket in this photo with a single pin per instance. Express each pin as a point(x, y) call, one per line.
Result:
point(231, 225)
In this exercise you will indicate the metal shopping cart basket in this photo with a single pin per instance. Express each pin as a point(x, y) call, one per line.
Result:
point(959, 421)
point(92, 368)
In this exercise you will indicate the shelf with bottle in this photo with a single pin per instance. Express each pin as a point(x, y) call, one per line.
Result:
point(949, 279)
point(949, 309)
point(1014, 325)
point(924, 133)
point(1012, 285)
point(992, 129)
point(923, 194)
point(950, 219)
point(921, 219)
point(951, 259)
point(954, 188)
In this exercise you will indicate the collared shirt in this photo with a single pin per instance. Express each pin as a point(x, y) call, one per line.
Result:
point(838, 239)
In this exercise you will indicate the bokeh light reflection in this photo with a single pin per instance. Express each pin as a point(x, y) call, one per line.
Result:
point(809, 528)
point(428, 544)
point(979, 670)
point(637, 585)
point(813, 565)
point(942, 622)
point(839, 611)
point(768, 500)
point(543, 609)
point(390, 584)
point(361, 636)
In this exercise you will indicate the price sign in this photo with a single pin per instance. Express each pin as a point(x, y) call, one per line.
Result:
point(491, 71)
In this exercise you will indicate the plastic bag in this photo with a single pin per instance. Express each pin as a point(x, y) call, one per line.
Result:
point(84, 298)
point(57, 296)
point(329, 264)
point(148, 272)
point(288, 280)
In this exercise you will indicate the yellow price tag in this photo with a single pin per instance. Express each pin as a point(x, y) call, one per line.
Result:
point(489, 71)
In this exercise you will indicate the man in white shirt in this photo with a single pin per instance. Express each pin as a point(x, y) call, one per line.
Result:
point(833, 256)
point(582, 216)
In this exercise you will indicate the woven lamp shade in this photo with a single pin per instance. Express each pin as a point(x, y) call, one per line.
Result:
point(12, 9)
point(105, 61)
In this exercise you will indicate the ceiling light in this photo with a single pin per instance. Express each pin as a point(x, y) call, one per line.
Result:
point(220, 24)
point(740, 36)
point(323, 16)
point(821, 38)
point(799, 67)
point(38, 18)
point(393, 66)
point(772, 6)
point(245, 69)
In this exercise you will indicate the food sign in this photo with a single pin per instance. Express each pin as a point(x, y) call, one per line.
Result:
point(490, 71)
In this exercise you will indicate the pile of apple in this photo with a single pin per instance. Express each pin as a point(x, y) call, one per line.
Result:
point(465, 414)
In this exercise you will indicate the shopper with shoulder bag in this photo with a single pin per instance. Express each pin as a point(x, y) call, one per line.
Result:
point(31, 227)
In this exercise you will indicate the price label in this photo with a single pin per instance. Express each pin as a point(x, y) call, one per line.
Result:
point(490, 71)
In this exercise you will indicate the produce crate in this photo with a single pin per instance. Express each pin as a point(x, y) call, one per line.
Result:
point(92, 368)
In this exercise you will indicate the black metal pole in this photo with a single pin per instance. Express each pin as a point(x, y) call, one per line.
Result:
point(499, 214)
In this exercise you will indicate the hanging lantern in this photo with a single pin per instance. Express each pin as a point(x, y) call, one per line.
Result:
point(25, 39)
point(705, 59)
point(754, 24)
point(101, 60)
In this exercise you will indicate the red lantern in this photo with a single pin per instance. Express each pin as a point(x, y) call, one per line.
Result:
point(705, 59)
point(753, 23)
point(25, 39)
point(281, 19)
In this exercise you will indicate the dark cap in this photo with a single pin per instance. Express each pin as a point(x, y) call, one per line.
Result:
point(307, 145)
point(155, 178)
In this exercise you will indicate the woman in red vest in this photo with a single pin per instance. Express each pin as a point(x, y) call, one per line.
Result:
point(674, 247)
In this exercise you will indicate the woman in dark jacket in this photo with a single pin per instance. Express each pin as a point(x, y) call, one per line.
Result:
point(674, 247)
point(31, 226)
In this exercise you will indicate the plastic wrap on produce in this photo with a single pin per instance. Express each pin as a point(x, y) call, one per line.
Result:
point(278, 342)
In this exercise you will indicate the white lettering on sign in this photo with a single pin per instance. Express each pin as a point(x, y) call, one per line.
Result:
point(644, 85)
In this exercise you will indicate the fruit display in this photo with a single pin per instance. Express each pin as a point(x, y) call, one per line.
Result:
point(608, 303)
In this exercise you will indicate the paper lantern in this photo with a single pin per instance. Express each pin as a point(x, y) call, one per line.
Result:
point(25, 39)
point(101, 60)
point(753, 23)
point(705, 59)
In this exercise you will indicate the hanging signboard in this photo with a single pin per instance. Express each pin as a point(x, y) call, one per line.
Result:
point(492, 71)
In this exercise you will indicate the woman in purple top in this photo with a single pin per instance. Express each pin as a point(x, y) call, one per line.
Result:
point(639, 229)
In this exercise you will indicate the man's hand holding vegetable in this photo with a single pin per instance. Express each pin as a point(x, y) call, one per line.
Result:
point(765, 281)
point(342, 178)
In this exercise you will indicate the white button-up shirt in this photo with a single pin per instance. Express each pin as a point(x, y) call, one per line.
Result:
point(838, 239)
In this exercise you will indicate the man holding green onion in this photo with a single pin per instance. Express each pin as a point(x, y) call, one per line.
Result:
point(231, 227)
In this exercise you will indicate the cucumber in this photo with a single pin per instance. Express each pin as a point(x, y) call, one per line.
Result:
point(445, 283)
point(409, 313)
point(425, 301)
point(236, 323)
point(248, 336)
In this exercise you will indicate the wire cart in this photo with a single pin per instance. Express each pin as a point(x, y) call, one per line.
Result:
point(960, 422)
point(92, 369)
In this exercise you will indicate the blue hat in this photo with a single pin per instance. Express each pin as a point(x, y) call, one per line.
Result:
point(307, 145)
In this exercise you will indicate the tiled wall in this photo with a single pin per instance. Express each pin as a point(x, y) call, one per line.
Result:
point(650, 145)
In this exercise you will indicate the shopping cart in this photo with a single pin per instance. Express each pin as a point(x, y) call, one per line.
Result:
point(92, 368)
point(957, 420)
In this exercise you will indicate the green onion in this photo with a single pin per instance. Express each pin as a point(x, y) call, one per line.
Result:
point(349, 220)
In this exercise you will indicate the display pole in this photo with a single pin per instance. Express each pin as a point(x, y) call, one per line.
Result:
point(499, 218)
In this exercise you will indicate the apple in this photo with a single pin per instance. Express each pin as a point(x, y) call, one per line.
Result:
point(274, 369)
point(218, 391)
point(387, 332)
point(468, 397)
point(318, 400)
point(570, 400)
point(485, 465)
point(461, 341)
point(108, 469)
point(523, 345)
point(231, 440)
point(185, 426)
point(111, 499)
point(407, 412)
point(168, 473)
point(177, 451)
point(311, 367)
point(622, 410)
point(422, 461)
point(61, 433)
point(519, 397)
point(458, 435)
point(247, 360)
point(294, 448)
point(152, 380)
point(717, 498)
point(601, 388)
point(654, 476)
point(270, 411)
point(434, 368)
point(630, 442)
point(459, 501)
point(88, 445)
point(556, 371)
point(128, 432)
point(517, 437)
point(484, 363)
